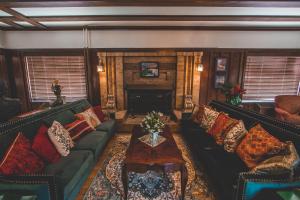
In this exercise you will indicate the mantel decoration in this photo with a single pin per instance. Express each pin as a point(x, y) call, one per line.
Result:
point(56, 89)
point(233, 94)
point(153, 123)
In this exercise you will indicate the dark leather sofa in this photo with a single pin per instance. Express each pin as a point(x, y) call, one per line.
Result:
point(61, 180)
point(227, 172)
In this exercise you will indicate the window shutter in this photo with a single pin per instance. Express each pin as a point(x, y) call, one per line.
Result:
point(268, 76)
point(43, 70)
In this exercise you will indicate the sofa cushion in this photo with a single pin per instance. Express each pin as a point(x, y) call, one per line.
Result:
point(281, 163)
point(233, 136)
point(218, 130)
point(70, 169)
point(43, 147)
point(98, 111)
point(78, 129)
point(89, 116)
point(108, 126)
point(258, 145)
point(94, 141)
point(61, 138)
point(64, 117)
point(20, 159)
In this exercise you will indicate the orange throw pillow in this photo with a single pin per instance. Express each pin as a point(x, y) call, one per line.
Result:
point(259, 145)
point(218, 130)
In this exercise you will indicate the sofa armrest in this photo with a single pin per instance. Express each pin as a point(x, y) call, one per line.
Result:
point(249, 184)
point(13, 182)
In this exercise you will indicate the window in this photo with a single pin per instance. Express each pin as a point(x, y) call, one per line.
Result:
point(43, 70)
point(268, 76)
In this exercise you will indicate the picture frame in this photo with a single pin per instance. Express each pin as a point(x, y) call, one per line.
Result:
point(221, 64)
point(221, 68)
point(149, 69)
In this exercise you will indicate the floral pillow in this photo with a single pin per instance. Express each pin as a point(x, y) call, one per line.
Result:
point(209, 117)
point(259, 145)
point(233, 136)
point(197, 114)
point(61, 138)
point(90, 117)
point(280, 163)
point(218, 130)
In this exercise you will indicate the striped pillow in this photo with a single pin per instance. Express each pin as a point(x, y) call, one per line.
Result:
point(78, 128)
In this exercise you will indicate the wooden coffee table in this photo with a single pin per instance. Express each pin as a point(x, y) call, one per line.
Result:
point(165, 157)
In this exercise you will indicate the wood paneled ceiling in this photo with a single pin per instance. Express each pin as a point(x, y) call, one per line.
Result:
point(150, 15)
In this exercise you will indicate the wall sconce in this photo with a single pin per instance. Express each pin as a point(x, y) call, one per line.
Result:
point(100, 67)
point(200, 67)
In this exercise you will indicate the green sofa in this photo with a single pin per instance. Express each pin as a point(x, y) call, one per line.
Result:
point(63, 179)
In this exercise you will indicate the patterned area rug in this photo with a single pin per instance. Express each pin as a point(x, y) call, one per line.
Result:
point(107, 184)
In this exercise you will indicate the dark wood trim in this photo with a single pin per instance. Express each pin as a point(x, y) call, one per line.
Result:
point(219, 3)
point(151, 28)
point(21, 17)
point(162, 18)
point(11, 23)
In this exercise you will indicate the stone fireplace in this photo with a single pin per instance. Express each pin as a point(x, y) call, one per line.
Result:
point(178, 80)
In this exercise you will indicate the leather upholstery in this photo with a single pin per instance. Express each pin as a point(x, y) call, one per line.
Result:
point(287, 108)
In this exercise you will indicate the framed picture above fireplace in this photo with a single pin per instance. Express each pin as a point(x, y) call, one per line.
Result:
point(149, 69)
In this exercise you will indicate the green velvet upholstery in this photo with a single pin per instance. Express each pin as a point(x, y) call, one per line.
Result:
point(64, 179)
point(94, 141)
point(108, 126)
point(63, 118)
point(70, 169)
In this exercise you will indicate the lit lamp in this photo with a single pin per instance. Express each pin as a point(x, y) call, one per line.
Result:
point(200, 67)
point(100, 67)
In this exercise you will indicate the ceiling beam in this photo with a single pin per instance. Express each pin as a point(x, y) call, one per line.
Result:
point(11, 23)
point(176, 28)
point(21, 17)
point(219, 3)
point(162, 18)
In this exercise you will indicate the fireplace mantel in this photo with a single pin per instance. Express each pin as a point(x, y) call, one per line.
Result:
point(178, 75)
point(148, 87)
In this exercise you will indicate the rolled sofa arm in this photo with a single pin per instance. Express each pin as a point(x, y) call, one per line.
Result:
point(41, 184)
point(249, 184)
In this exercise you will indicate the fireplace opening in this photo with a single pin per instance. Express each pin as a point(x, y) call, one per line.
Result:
point(142, 101)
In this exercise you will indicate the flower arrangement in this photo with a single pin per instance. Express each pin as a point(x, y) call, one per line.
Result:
point(153, 122)
point(233, 94)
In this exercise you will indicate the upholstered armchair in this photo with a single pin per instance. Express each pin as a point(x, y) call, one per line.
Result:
point(287, 108)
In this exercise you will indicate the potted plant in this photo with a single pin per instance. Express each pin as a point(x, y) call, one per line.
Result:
point(153, 123)
point(233, 94)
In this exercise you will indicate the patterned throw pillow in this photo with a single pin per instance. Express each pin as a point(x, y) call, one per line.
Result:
point(89, 116)
point(280, 163)
point(20, 159)
point(258, 145)
point(197, 114)
point(209, 117)
point(98, 111)
point(43, 146)
point(61, 138)
point(233, 136)
point(78, 128)
point(218, 130)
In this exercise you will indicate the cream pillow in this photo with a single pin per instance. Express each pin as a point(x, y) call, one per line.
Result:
point(89, 116)
point(60, 138)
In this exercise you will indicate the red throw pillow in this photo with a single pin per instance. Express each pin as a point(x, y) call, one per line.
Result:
point(20, 159)
point(78, 128)
point(98, 111)
point(44, 147)
point(218, 130)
